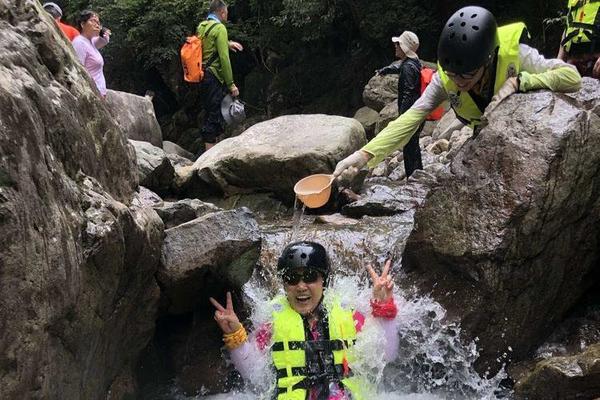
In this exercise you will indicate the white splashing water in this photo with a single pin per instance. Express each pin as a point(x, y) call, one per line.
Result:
point(433, 363)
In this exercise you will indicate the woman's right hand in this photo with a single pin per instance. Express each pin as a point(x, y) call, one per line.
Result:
point(225, 316)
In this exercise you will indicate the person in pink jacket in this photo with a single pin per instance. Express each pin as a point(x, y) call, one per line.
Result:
point(310, 339)
point(88, 44)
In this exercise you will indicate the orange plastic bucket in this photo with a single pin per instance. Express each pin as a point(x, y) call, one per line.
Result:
point(314, 190)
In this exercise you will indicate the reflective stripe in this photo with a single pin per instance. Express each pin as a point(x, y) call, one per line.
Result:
point(583, 22)
point(507, 65)
point(326, 345)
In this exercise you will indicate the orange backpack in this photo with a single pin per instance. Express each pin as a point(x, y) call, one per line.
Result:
point(426, 75)
point(191, 58)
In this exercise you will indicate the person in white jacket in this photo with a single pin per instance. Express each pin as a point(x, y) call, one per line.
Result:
point(309, 338)
point(479, 65)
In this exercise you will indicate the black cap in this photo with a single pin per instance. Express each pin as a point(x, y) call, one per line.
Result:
point(468, 41)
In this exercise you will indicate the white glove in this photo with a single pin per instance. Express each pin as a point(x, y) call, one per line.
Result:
point(349, 166)
point(509, 87)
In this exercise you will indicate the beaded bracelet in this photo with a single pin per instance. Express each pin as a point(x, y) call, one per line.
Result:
point(235, 339)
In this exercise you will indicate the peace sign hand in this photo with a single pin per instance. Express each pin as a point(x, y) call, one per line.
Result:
point(383, 285)
point(225, 316)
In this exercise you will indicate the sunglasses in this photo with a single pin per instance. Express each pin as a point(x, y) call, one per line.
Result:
point(469, 75)
point(307, 276)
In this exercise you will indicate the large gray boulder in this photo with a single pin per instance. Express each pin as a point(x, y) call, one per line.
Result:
point(218, 247)
point(135, 115)
point(512, 231)
point(273, 155)
point(78, 296)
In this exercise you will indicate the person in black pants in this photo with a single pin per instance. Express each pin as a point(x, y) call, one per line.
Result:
point(409, 90)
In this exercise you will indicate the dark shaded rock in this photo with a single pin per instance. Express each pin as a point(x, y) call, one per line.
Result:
point(265, 207)
point(273, 155)
point(135, 115)
point(368, 118)
point(78, 297)
point(386, 115)
point(179, 212)
point(563, 378)
point(380, 91)
point(154, 167)
point(219, 247)
point(513, 229)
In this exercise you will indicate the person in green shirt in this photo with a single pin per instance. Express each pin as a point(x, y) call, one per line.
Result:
point(218, 76)
point(479, 65)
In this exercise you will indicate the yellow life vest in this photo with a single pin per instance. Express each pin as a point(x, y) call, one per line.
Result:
point(583, 22)
point(507, 65)
point(289, 344)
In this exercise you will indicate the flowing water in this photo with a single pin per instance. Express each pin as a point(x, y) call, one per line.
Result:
point(432, 363)
point(297, 218)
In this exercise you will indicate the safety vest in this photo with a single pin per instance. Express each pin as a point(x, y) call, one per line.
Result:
point(508, 65)
point(289, 351)
point(583, 22)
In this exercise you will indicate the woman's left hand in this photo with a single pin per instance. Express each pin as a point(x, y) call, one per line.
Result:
point(383, 285)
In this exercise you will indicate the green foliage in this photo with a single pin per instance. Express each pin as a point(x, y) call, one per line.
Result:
point(304, 50)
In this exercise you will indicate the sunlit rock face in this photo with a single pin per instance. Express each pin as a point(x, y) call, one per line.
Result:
point(510, 237)
point(135, 115)
point(273, 155)
point(77, 289)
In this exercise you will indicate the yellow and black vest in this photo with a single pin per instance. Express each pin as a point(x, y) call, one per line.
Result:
point(507, 65)
point(583, 25)
point(291, 351)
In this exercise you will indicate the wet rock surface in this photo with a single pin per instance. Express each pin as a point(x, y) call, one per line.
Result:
point(512, 229)
point(385, 197)
point(78, 297)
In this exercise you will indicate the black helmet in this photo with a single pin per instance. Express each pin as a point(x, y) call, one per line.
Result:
point(468, 41)
point(304, 255)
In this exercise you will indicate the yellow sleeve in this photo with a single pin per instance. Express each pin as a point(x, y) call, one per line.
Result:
point(562, 79)
point(394, 136)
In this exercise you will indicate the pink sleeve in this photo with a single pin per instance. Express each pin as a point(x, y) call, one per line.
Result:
point(359, 320)
point(263, 336)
